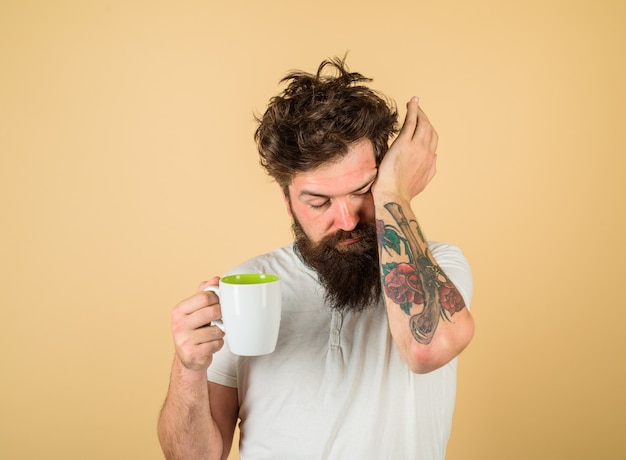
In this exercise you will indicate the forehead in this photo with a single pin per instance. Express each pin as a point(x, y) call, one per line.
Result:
point(356, 168)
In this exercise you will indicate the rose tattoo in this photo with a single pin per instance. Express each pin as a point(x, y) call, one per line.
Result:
point(420, 281)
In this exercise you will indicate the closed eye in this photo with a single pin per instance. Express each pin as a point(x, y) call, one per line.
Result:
point(306, 195)
point(319, 205)
point(364, 191)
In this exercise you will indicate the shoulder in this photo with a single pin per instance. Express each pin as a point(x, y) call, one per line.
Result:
point(447, 253)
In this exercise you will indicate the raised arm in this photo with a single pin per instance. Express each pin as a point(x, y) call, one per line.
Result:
point(428, 318)
point(197, 420)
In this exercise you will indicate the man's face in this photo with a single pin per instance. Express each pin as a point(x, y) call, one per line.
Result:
point(335, 196)
point(333, 213)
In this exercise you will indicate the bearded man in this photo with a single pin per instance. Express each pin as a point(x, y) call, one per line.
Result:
point(374, 315)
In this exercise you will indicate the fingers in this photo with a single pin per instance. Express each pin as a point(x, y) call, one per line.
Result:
point(194, 338)
point(424, 129)
point(410, 163)
point(212, 282)
point(187, 318)
point(197, 301)
point(417, 126)
point(434, 141)
point(196, 350)
point(410, 121)
point(205, 334)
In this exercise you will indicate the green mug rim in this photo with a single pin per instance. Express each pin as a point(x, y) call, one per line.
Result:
point(250, 278)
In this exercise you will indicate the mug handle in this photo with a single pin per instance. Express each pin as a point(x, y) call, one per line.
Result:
point(218, 322)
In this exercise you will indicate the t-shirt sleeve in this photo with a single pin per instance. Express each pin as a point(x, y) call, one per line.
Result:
point(223, 368)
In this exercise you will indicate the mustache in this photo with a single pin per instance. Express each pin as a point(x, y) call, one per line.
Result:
point(360, 231)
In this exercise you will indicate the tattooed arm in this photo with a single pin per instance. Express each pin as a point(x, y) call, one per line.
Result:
point(428, 318)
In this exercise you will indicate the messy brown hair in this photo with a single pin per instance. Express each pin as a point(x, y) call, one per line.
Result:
point(317, 117)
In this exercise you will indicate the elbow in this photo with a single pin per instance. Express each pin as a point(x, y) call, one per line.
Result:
point(425, 358)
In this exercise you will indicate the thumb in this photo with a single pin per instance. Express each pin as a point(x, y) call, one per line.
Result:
point(212, 282)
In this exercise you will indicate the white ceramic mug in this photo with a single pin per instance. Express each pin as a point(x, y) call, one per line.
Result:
point(251, 305)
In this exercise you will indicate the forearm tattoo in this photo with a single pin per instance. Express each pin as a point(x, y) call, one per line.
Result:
point(418, 281)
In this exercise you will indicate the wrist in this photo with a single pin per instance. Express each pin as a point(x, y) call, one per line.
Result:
point(187, 374)
point(385, 196)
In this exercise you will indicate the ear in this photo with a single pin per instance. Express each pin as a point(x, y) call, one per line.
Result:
point(287, 201)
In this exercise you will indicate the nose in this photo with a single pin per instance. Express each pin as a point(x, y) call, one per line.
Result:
point(346, 215)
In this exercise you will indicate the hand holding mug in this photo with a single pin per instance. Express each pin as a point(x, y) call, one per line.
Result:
point(194, 340)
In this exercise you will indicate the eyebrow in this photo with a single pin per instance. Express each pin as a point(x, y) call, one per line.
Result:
point(307, 193)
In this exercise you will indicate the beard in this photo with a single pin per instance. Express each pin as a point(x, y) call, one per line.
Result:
point(350, 274)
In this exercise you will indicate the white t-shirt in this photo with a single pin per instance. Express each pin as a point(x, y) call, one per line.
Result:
point(336, 387)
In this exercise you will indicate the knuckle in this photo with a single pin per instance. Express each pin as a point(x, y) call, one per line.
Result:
point(216, 345)
point(178, 332)
point(215, 312)
point(181, 342)
point(176, 316)
point(211, 297)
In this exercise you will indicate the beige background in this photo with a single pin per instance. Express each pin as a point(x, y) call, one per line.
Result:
point(128, 174)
